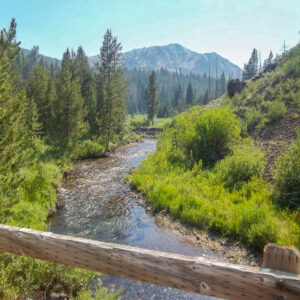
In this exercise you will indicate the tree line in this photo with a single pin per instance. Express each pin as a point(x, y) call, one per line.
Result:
point(176, 91)
point(255, 65)
point(71, 101)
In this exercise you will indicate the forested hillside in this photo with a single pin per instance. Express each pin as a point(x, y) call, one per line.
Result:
point(27, 58)
point(233, 167)
point(173, 90)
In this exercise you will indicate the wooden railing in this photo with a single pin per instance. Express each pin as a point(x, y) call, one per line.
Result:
point(193, 274)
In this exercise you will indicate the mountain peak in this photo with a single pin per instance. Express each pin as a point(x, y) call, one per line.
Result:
point(176, 57)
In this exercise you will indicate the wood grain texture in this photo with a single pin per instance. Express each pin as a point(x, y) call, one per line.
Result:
point(193, 274)
point(285, 258)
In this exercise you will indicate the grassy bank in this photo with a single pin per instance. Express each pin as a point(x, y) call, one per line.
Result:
point(206, 175)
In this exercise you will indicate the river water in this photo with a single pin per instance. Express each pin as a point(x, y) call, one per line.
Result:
point(99, 206)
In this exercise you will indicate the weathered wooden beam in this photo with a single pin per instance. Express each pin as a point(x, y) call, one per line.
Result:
point(193, 274)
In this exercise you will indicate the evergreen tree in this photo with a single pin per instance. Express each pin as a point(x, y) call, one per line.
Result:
point(223, 87)
point(8, 47)
point(163, 95)
point(83, 71)
point(11, 134)
point(111, 89)
point(206, 98)
point(169, 109)
point(151, 93)
point(178, 102)
point(40, 89)
point(66, 59)
point(30, 61)
point(52, 71)
point(17, 119)
point(142, 101)
point(268, 61)
point(68, 113)
point(251, 68)
point(168, 86)
point(189, 95)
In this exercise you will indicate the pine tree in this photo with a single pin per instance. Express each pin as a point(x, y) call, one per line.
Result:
point(111, 90)
point(206, 98)
point(178, 102)
point(66, 59)
point(251, 68)
point(151, 93)
point(268, 61)
point(68, 113)
point(8, 47)
point(40, 89)
point(11, 114)
point(83, 71)
point(17, 119)
point(223, 87)
point(189, 95)
point(30, 61)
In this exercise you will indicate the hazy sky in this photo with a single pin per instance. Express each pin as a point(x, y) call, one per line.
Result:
point(229, 27)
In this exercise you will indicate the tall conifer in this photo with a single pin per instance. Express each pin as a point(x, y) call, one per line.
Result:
point(152, 97)
point(189, 95)
point(68, 112)
point(251, 68)
point(111, 89)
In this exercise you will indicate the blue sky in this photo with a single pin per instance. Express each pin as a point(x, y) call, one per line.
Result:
point(229, 27)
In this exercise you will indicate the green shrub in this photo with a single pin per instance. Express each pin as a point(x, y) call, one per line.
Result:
point(262, 123)
point(246, 162)
point(198, 198)
point(89, 149)
point(216, 131)
point(287, 176)
point(295, 97)
point(276, 110)
point(252, 118)
point(255, 221)
point(139, 123)
point(200, 134)
point(176, 139)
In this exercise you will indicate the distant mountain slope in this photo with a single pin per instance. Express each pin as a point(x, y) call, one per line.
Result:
point(175, 57)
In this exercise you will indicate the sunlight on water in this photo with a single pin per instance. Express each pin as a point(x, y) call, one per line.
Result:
point(98, 206)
